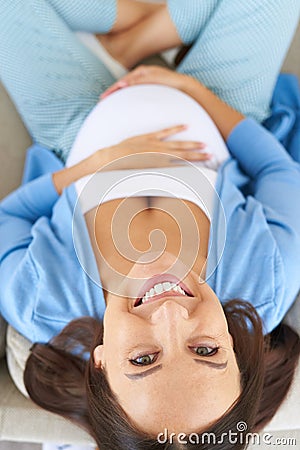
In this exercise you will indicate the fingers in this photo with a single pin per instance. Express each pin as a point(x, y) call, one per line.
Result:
point(174, 158)
point(133, 77)
point(178, 156)
point(191, 155)
point(197, 156)
point(189, 150)
point(185, 145)
point(167, 132)
point(141, 75)
point(113, 88)
point(181, 146)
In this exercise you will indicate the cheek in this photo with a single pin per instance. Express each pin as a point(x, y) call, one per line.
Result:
point(211, 314)
point(122, 338)
point(211, 321)
point(124, 330)
point(211, 308)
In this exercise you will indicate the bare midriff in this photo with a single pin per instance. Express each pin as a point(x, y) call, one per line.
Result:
point(120, 230)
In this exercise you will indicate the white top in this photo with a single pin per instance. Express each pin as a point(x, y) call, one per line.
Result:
point(144, 109)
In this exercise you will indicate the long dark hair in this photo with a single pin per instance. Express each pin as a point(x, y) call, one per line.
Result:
point(60, 378)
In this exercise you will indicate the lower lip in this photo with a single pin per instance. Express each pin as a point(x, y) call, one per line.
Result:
point(161, 279)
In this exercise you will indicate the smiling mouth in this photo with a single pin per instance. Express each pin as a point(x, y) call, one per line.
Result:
point(161, 286)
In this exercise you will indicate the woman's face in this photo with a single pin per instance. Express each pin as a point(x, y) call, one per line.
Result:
point(169, 360)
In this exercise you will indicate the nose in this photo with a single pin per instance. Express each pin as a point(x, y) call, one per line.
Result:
point(170, 321)
point(170, 313)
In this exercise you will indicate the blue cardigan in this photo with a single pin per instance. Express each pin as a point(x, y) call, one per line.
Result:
point(43, 286)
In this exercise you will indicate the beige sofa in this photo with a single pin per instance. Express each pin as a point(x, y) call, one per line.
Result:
point(20, 419)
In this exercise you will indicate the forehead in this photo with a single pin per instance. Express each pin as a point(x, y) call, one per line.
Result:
point(180, 403)
point(178, 383)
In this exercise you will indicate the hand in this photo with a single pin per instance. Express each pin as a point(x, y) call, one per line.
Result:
point(152, 150)
point(138, 152)
point(149, 75)
point(224, 116)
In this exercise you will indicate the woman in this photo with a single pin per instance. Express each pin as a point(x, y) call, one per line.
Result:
point(175, 324)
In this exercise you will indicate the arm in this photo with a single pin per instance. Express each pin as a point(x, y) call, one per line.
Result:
point(224, 116)
point(21, 209)
point(266, 224)
point(36, 244)
point(155, 151)
point(19, 212)
point(276, 180)
point(19, 216)
point(276, 189)
point(269, 217)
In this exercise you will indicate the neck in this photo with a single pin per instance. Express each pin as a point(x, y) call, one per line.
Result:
point(121, 232)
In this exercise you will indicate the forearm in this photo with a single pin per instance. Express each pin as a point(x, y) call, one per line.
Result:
point(225, 117)
point(20, 210)
point(97, 161)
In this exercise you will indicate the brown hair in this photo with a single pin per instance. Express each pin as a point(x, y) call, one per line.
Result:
point(60, 378)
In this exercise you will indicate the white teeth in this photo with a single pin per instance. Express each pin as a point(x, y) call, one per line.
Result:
point(159, 288)
point(179, 289)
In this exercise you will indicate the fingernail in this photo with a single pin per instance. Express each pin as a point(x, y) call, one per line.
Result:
point(122, 83)
point(208, 155)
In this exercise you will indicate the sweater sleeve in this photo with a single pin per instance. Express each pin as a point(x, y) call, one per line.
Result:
point(18, 213)
point(276, 187)
point(275, 174)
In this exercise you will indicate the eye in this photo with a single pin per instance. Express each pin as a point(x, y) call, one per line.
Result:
point(144, 360)
point(204, 350)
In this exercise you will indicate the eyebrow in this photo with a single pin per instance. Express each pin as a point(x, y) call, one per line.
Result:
point(137, 376)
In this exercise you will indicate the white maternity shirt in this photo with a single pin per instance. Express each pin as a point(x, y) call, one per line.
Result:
point(143, 109)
